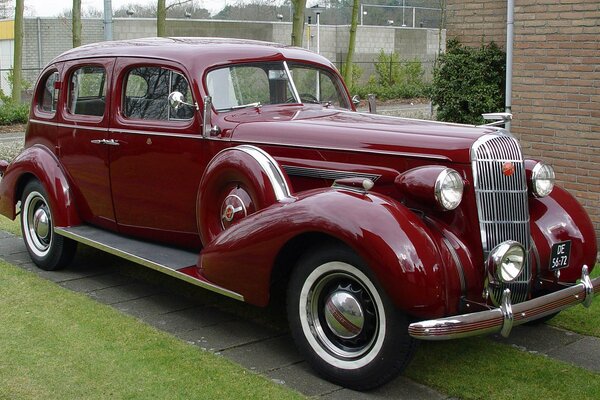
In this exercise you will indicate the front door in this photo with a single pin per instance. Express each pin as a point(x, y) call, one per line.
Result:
point(156, 169)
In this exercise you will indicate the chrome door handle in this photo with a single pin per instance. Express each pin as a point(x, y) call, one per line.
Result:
point(110, 142)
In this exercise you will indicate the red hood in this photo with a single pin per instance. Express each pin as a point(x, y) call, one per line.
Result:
point(318, 127)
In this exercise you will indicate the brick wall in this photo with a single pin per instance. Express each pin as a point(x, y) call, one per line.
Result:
point(556, 82)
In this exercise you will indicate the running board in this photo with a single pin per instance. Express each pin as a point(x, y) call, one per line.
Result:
point(171, 261)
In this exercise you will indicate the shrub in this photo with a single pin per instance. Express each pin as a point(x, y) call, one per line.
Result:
point(12, 113)
point(394, 79)
point(468, 82)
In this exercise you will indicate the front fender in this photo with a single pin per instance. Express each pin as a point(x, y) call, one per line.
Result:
point(557, 218)
point(40, 163)
point(393, 241)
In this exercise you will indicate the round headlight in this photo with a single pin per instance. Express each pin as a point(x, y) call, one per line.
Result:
point(506, 261)
point(449, 189)
point(542, 180)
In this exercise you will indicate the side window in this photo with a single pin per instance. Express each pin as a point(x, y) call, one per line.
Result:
point(49, 95)
point(87, 91)
point(147, 92)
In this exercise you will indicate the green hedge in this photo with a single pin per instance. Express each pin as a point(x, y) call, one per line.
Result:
point(12, 113)
point(468, 82)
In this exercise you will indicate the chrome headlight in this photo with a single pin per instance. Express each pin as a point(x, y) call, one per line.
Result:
point(506, 261)
point(449, 189)
point(542, 180)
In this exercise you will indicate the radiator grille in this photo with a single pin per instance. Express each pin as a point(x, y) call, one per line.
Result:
point(502, 203)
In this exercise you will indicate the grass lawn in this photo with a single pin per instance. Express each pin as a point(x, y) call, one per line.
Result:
point(580, 319)
point(7, 225)
point(477, 368)
point(56, 344)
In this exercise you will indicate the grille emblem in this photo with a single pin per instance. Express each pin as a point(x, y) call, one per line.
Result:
point(508, 168)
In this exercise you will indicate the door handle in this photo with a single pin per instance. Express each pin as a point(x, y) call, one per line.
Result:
point(107, 142)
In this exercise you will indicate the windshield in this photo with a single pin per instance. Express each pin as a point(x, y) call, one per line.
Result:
point(255, 84)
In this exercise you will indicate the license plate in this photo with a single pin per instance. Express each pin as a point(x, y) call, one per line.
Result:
point(561, 253)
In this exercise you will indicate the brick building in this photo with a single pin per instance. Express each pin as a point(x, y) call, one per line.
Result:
point(556, 82)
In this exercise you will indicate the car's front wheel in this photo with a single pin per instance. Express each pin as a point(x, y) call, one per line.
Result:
point(48, 250)
point(344, 323)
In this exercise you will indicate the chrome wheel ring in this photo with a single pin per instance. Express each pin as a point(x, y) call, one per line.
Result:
point(342, 315)
point(37, 224)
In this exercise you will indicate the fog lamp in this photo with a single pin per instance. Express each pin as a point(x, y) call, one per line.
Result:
point(506, 261)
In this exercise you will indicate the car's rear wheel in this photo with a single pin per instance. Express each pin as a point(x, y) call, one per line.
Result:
point(48, 250)
point(344, 323)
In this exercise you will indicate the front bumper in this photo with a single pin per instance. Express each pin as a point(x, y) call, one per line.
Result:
point(502, 319)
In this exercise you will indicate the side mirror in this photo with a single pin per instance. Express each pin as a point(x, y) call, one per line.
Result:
point(177, 100)
point(355, 100)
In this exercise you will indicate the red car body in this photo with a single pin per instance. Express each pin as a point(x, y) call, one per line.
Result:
point(166, 181)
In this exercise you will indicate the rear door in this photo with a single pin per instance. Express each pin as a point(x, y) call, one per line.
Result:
point(83, 143)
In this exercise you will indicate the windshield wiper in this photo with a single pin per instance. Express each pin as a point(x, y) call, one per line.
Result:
point(256, 104)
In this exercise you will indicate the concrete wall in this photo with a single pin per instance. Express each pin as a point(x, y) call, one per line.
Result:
point(556, 82)
point(45, 38)
point(55, 37)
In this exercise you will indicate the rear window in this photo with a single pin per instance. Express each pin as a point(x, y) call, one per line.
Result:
point(87, 91)
point(49, 95)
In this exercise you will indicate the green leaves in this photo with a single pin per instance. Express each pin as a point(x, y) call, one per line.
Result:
point(468, 82)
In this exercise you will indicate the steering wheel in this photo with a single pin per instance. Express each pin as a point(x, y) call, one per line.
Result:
point(305, 98)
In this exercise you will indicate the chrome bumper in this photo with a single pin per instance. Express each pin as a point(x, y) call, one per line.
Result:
point(502, 319)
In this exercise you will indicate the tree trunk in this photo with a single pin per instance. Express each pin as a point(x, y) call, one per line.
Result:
point(298, 22)
point(351, 43)
point(18, 51)
point(161, 18)
point(76, 23)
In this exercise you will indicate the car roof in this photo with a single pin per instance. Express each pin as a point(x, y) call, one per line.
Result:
point(189, 49)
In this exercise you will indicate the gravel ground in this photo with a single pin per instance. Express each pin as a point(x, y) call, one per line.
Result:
point(9, 150)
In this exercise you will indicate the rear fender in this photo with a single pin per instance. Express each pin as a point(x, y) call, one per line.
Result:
point(393, 241)
point(37, 162)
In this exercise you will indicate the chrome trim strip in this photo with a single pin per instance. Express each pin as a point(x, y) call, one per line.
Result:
point(147, 263)
point(271, 168)
point(379, 152)
point(152, 133)
point(417, 120)
point(289, 74)
point(494, 320)
point(70, 126)
point(326, 173)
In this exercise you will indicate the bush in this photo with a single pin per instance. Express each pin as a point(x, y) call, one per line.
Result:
point(12, 113)
point(468, 82)
point(395, 79)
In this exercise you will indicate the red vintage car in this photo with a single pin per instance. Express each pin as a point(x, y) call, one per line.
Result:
point(243, 167)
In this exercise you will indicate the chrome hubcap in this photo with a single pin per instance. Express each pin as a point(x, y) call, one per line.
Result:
point(344, 315)
point(41, 223)
point(37, 224)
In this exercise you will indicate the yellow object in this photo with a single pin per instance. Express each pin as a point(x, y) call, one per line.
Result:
point(7, 29)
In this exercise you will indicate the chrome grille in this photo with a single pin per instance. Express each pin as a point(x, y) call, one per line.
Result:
point(502, 203)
